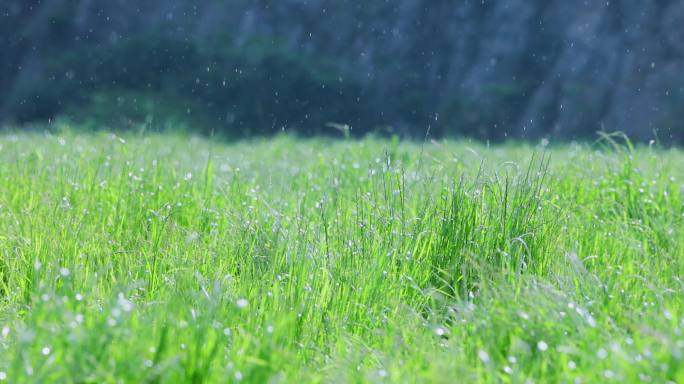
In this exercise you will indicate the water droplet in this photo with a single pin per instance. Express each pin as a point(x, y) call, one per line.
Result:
point(124, 303)
point(542, 346)
point(602, 354)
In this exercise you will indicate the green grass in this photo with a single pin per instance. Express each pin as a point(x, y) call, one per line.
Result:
point(167, 258)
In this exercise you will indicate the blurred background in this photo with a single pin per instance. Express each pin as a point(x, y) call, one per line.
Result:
point(493, 70)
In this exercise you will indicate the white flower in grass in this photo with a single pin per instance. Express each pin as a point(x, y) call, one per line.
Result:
point(242, 303)
point(484, 356)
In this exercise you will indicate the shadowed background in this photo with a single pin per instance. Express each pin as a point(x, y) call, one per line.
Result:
point(485, 69)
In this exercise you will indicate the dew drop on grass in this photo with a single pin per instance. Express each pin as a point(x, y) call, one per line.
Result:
point(242, 303)
point(602, 354)
point(192, 237)
point(590, 320)
point(542, 346)
point(125, 304)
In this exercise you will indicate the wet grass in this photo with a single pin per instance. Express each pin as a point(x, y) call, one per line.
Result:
point(167, 258)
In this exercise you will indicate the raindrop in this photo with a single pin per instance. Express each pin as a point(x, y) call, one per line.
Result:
point(124, 303)
point(542, 346)
point(602, 354)
point(242, 303)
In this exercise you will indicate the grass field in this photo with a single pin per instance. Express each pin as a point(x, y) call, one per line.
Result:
point(167, 258)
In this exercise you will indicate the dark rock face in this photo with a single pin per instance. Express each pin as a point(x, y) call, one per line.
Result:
point(495, 69)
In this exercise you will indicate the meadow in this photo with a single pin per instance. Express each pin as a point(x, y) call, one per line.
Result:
point(163, 258)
